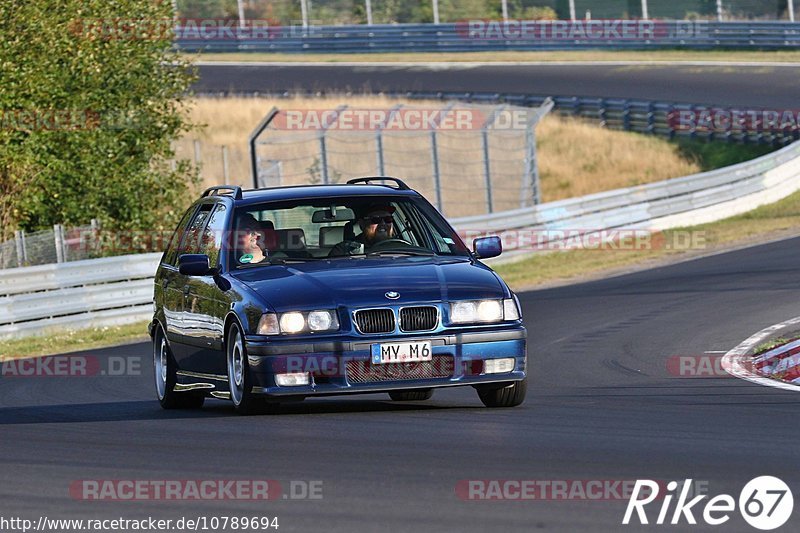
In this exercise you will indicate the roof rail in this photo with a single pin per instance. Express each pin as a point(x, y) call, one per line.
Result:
point(400, 183)
point(235, 189)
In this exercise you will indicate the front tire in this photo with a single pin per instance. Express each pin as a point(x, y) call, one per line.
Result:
point(166, 377)
point(508, 396)
point(240, 381)
point(411, 395)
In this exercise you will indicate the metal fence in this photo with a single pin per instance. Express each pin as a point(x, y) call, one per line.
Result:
point(57, 245)
point(468, 158)
point(489, 36)
point(418, 11)
point(214, 163)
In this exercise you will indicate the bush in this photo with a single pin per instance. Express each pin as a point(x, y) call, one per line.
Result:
point(538, 13)
point(90, 100)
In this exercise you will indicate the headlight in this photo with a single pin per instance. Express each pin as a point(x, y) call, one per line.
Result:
point(297, 322)
point(483, 311)
point(320, 320)
point(292, 322)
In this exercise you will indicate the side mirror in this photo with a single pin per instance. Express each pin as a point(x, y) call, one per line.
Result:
point(194, 265)
point(487, 247)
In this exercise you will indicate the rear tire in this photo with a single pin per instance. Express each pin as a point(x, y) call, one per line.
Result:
point(411, 395)
point(240, 381)
point(165, 370)
point(509, 396)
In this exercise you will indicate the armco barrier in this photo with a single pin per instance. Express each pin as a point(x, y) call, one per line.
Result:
point(672, 203)
point(119, 289)
point(457, 37)
point(90, 293)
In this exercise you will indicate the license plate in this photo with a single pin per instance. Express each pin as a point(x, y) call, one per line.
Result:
point(401, 352)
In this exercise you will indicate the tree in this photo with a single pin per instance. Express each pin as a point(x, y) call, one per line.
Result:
point(90, 100)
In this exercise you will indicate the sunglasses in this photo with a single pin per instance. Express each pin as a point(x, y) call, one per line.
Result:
point(377, 220)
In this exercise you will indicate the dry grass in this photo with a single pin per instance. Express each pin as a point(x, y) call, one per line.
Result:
point(575, 157)
point(578, 158)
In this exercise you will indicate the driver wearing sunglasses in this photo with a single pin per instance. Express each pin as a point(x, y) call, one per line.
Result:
point(377, 225)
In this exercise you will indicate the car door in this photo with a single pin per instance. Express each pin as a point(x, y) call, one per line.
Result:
point(205, 304)
point(169, 289)
point(177, 289)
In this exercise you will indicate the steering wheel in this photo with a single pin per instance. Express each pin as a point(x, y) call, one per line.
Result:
point(388, 243)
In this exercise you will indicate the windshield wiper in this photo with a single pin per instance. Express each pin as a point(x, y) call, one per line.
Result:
point(400, 252)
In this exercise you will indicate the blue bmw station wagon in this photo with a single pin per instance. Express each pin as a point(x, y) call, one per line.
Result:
point(274, 295)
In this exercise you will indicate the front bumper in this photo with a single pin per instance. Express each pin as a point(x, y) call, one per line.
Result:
point(343, 365)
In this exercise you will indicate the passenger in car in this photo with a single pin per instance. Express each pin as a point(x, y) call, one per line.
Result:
point(249, 234)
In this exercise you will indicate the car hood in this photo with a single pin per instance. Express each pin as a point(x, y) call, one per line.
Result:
point(365, 282)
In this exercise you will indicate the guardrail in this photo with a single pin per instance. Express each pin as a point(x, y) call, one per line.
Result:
point(673, 203)
point(477, 36)
point(89, 293)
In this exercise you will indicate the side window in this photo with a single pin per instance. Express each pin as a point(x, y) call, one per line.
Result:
point(404, 227)
point(192, 242)
point(213, 235)
point(171, 257)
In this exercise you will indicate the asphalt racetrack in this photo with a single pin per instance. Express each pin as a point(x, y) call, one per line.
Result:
point(602, 405)
point(752, 86)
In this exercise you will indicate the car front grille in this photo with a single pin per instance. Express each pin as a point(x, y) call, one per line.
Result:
point(366, 372)
point(418, 318)
point(375, 320)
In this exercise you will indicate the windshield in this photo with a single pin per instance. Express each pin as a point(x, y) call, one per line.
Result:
point(324, 228)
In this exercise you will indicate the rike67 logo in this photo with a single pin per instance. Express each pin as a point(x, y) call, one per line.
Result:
point(765, 503)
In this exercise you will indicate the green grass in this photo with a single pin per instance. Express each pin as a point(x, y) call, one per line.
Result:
point(773, 343)
point(580, 55)
point(767, 222)
point(714, 155)
point(72, 341)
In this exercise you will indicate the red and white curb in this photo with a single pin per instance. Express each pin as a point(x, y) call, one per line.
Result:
point(738, 363)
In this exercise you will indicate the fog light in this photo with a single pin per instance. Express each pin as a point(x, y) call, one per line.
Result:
point(294, 379)
point(498, 366)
